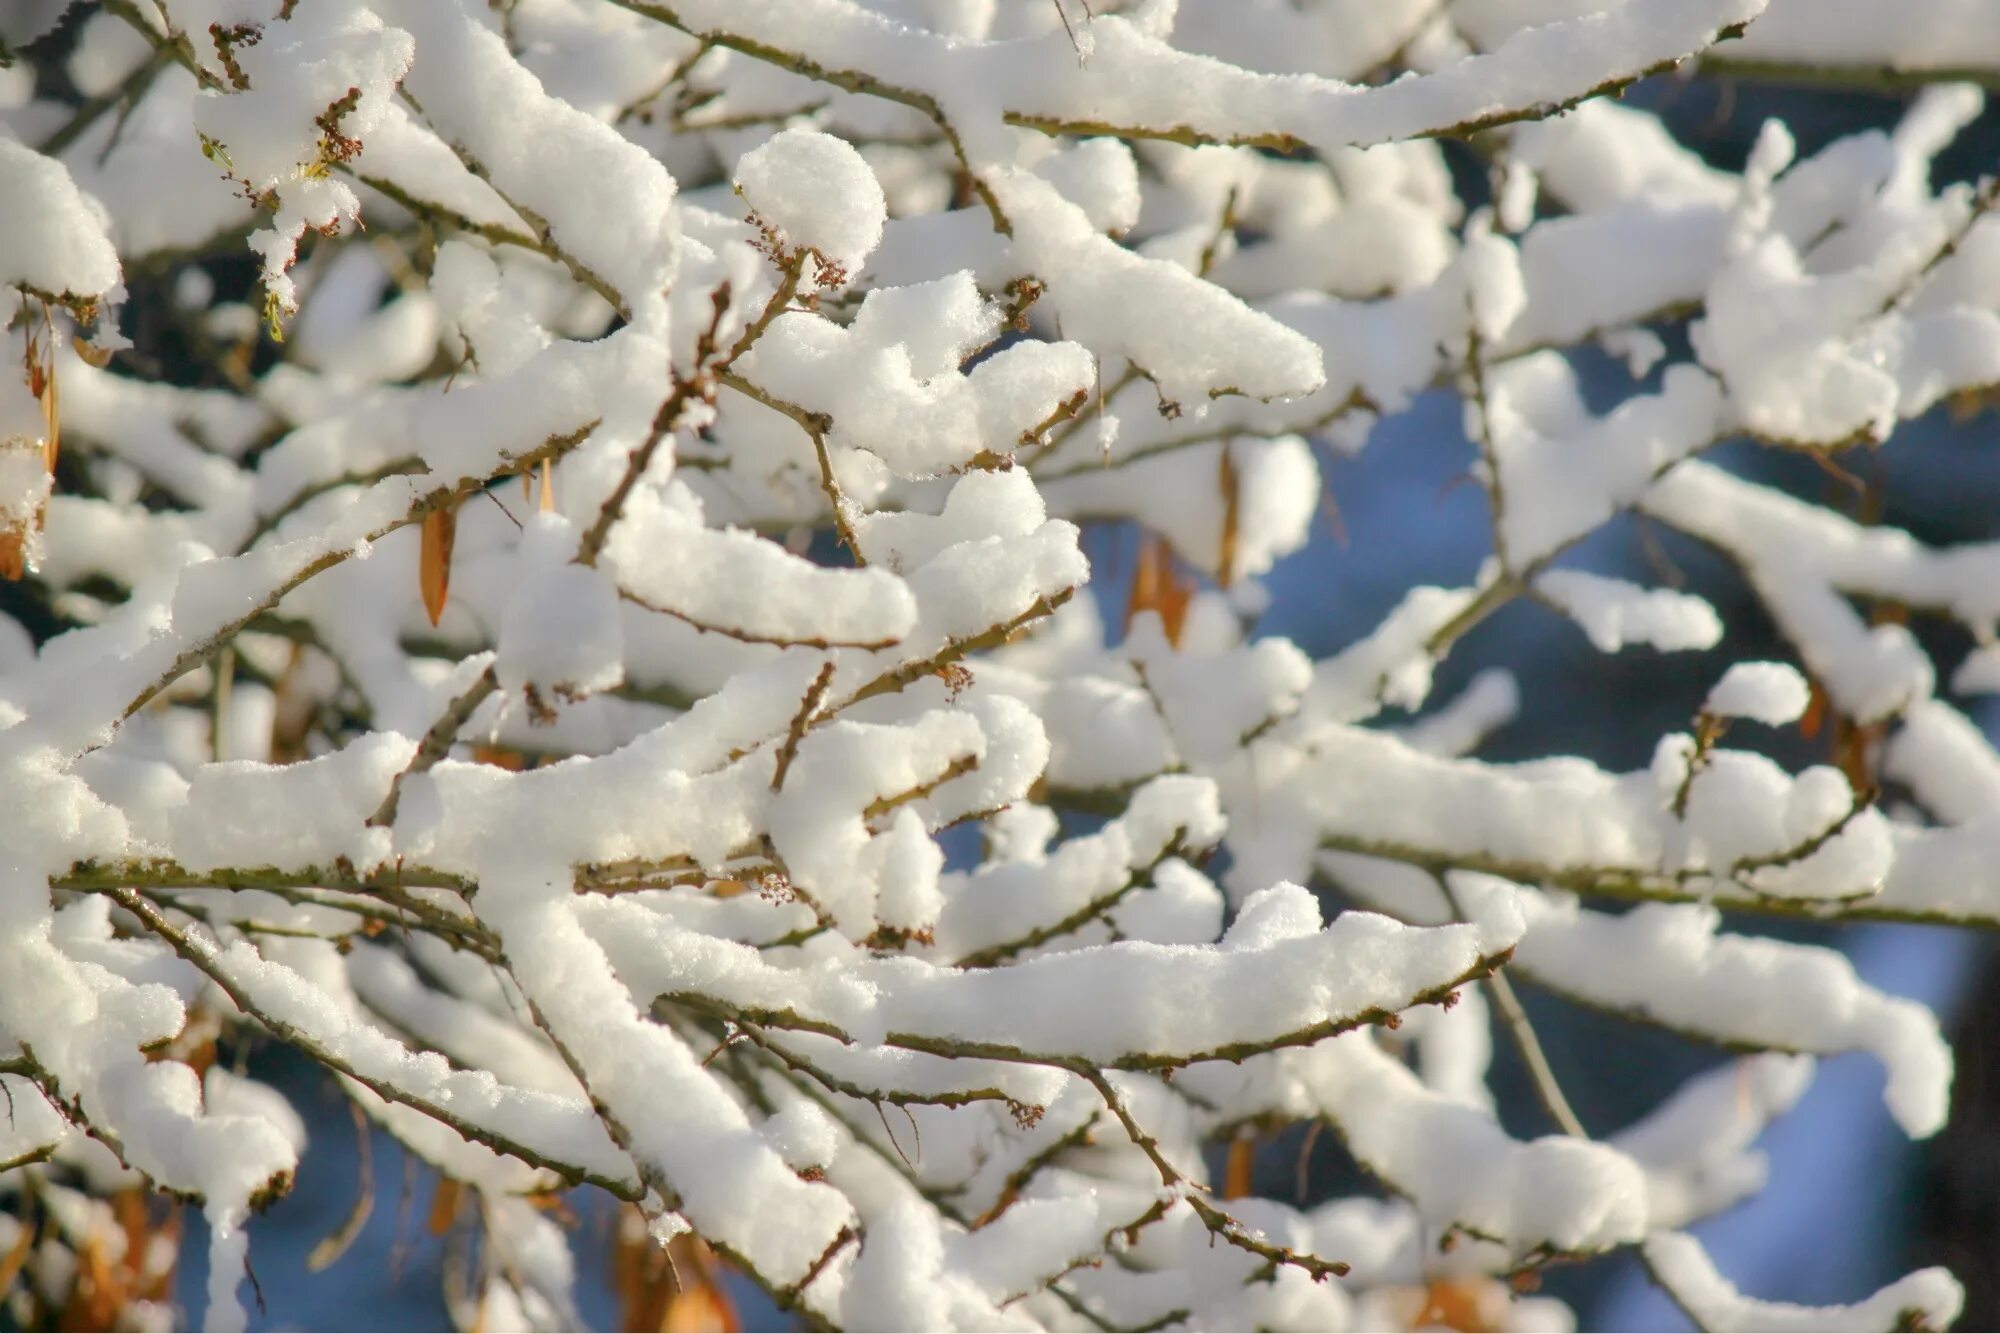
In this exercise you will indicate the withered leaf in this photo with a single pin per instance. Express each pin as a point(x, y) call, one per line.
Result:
point(434, 564)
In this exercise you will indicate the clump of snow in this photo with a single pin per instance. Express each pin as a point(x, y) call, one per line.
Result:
point(732, 581)
point(290, 817)
point(1672, 963)
point(1930, 1298)
point(1614, 613)
point(1194, 339)
point(54, 234)
point(25, 478)
point(560, 637)
point(804, 1134)
point(816, 193)
point(1772, 693)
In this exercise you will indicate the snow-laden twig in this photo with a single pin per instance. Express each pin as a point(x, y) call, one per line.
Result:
point(601, 836)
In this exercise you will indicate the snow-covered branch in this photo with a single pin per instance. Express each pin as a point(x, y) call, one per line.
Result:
point(544, 569)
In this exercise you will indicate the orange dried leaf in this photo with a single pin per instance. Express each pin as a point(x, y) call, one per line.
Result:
point(1145, 584)
point(1232, 496)
point(95, 1295)
point(1236, 1173)
point(1854, 752)
point(700, 1308)
point(144, 1217)
point(641, 1274)
point(499, 757)
point(31, 360)
point(547, 503)
point(556, 1206)
point(1467, 1305)
point(434, 564)
point(678, 1287)
point(1815, 714)
point(11, 1262)
point(115, 1274)
point(52, 414)
point(444, 1206)
point(194, 1045)
point(1158, 586)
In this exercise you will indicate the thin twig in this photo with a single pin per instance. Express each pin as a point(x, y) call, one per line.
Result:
point(800, 722)
point(437, 743)
point(1547, 1089)
point(207, 959)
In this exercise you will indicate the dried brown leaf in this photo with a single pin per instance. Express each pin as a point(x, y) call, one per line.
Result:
point(1236, 1171)
point(499, 757)
point(11, 1262)
point(701, 1306)
point(434, 564)
point(1158, 586)
point(52, 414)
point(444, 1206)
point(1232, 513)
point(1814, 718)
